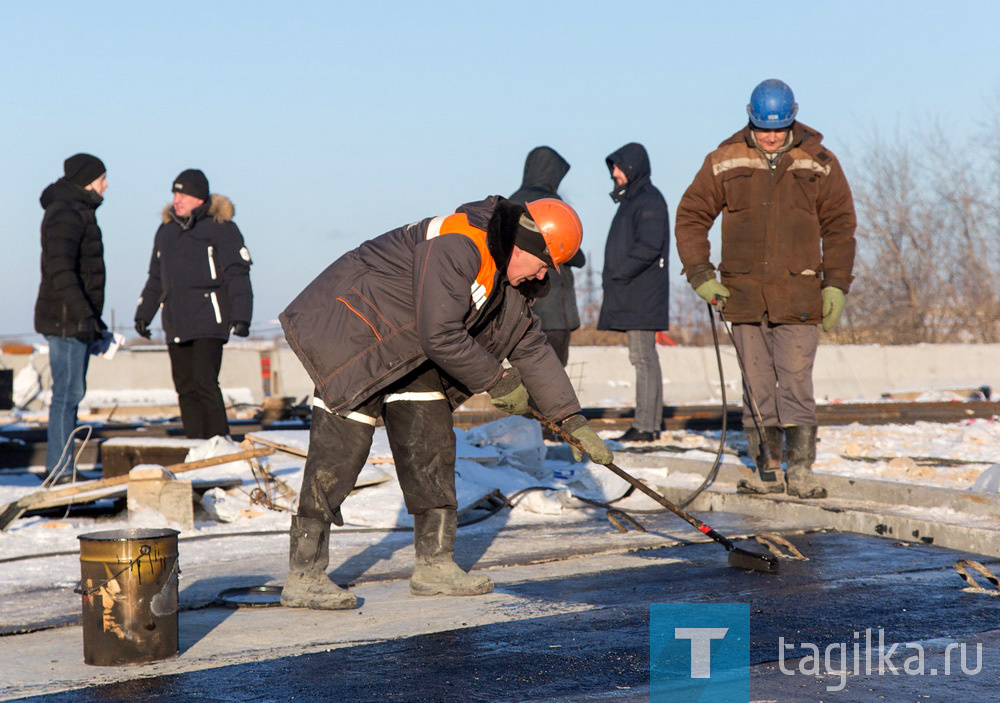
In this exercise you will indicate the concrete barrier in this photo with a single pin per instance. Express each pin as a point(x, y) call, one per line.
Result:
point(602, 376)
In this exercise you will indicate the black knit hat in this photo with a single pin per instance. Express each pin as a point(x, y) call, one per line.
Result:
point(530, 239)
point(83, 169)
point(192, 182)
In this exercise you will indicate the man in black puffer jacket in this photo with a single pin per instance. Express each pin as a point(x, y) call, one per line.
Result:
point(199, 275)
point(544, 169)
point(636, 287)
point(71, 295)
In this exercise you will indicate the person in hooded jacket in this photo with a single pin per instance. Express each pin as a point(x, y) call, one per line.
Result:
point(544, 170)
point(636, 285)
point(406, 327)
point(787, 254)
point(70, 297)
point(199, 277)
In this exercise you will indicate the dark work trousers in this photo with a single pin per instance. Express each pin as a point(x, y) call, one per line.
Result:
point(418, 422)
point(559, 340)
point(195, 366)
point(777, 369)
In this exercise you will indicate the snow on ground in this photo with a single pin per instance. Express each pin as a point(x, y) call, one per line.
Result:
point(508, 456)
point(917, 453)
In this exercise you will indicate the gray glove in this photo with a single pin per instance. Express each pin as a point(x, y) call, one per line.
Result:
point(593, 445)
point(509, 394)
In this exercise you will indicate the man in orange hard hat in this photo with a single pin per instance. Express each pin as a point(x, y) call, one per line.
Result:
point(406, 327)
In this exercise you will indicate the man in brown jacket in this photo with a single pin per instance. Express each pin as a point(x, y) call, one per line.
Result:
point(787, 254)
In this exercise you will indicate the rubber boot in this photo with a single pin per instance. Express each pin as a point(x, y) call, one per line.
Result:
point(800, 447)
point(767, 458)
point(435, 571)
point(307, 585)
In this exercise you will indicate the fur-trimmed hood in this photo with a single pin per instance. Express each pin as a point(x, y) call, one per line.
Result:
point(219, 208)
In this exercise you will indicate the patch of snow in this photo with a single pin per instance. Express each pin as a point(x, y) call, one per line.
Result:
point(506, 456)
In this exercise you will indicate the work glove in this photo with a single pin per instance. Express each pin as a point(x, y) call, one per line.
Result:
point(593, 445)
point(713, 293)
point(509, 394)
point(142, 328)
point(833, 306)
point(88, 330)
point(240, 328)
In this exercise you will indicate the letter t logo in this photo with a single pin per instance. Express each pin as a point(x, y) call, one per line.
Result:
point(701, 647)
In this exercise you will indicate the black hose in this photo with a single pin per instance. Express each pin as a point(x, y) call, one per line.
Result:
point(714, 471)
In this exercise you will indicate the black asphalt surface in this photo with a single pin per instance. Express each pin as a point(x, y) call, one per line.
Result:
point(851, 583)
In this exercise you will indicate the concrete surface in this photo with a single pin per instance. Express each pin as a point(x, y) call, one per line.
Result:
point(365, 556)
point(603, 375)
point(576, 629)
point(957, 519)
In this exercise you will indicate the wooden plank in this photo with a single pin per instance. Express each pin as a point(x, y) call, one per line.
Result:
point(284, 448)
point(303, 453)
point(64, 496)
point(368, 477)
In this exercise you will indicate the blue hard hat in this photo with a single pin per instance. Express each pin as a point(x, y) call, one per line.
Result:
point(772, 105)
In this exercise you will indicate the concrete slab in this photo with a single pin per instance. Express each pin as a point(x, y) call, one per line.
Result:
point(846, 487)
point(601, 375)
point(958, 519)
point(365, 556)
point(954, 531)
point(574, 630)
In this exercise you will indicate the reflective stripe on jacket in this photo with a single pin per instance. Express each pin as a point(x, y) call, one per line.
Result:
point(434, 291)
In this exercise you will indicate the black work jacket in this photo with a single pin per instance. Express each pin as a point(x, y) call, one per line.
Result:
point(199, 274)
point(636, 276)
point(434, 290)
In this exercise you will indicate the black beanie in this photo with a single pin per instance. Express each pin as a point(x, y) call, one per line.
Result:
point(530, 239)
point(192, 182)
point(83, 169)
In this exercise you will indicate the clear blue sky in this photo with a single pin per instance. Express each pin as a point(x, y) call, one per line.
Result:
point(328, 123)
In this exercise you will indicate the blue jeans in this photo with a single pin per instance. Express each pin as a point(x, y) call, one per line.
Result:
point(648, 380)
point(68, 360)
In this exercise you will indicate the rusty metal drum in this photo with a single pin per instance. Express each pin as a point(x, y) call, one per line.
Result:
point(129, 588)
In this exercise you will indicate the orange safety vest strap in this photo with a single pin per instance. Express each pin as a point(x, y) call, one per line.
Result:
point(459, 224)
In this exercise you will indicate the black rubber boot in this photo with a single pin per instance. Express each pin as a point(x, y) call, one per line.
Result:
point(800, 447)
point(767, 458)
point(307, 585)
point(633, 434)
point(435, 571)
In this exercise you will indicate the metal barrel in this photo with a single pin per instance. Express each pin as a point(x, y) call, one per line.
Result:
point(129, 587)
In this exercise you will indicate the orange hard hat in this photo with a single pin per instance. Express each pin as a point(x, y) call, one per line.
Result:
point(559, 225)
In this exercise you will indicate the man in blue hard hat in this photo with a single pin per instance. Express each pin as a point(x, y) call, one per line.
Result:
point(787, 254)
